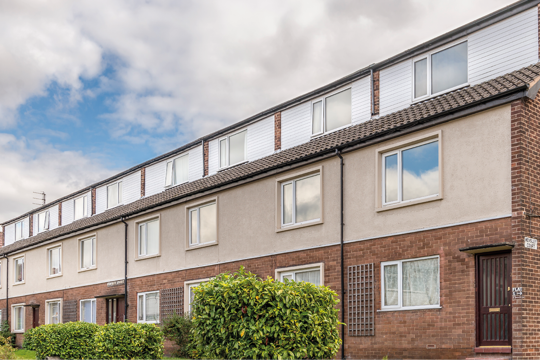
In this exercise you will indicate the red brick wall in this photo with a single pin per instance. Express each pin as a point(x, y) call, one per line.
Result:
point(277, 131)
point(59, 214)
point(143, 181)
point(31, 225)
point(206, 155)
point(376, 75)
point(93, 201)
point(2, 237)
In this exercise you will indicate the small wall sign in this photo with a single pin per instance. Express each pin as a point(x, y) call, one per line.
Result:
point(517, 293)
point(531, 243)
point(115, 283)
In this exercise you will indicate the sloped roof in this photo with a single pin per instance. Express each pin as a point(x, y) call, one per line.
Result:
point(424, 112)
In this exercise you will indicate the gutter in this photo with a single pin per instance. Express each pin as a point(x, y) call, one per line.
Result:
point(342, 269)
point(125, 269)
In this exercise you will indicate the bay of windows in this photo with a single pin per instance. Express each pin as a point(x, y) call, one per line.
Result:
point(232, 149)
point(177, 171)
point(203, 224)
point(301, 200)
point(149, 238)
point(331, 112)
point(148, 307)
point(88, 310)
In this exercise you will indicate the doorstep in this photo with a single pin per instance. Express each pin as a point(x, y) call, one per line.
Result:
point(493, 350)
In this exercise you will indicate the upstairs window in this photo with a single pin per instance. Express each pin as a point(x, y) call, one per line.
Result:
point(19, 231)
point(177, 171)
point(43, 221)
point(331, 112)
point(19, 270)
point(148, 307)
point(88, 311)
point(114, 195)
point(203, 224)
point(441, 71)
point(301, 200)
point(55, 261)
point(232, 149)
point(81, 207)
point(149, 238)
point(88, 253)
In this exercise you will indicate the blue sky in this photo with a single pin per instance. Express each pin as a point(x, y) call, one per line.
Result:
point(90, 88)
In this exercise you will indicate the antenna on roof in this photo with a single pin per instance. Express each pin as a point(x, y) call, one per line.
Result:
point(41, 199)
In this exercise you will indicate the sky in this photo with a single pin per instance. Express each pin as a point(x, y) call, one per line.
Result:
point(89, 88)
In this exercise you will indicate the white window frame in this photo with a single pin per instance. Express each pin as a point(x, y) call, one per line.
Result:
point(400, 173)
point(173, 172)
point(23, 258)
point(187, 287)
point(49, 260)
point(48, 313)
point(196, 208)
point(399, 306)
point(322, 99)
point(21, 235)
point(85, 206)
point(46, 221)
point(293, 182)
point(144, 222)
point(13, 318)
point(94, 251)
point(81, 314)
point(428, 57)
point(280, 273)
point(144, 307)
point(227, 149)
point(120, 199)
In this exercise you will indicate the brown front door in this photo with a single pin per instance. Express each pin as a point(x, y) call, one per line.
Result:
point(35, 317)
point(494, 313)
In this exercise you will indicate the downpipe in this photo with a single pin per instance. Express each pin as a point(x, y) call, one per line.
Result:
point(125, 270)
point(341, 164)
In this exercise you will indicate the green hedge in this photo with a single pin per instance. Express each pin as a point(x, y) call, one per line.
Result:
point(81, 340)
point(241, 316)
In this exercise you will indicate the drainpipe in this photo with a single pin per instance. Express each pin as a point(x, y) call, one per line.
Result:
point(125, 270)
point(7, 289)
point(338, 153)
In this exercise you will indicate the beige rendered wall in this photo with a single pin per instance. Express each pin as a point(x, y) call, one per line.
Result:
point(476, 161)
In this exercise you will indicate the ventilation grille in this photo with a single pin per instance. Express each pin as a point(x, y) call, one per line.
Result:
point(361, 292)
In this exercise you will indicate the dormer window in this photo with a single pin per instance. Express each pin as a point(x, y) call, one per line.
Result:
point(81, 207)
point(43, 221)
point(331, 112)
point(441, 71)
point(18, 230)
point(177, 171)
point(232, 149)
point(114, 195)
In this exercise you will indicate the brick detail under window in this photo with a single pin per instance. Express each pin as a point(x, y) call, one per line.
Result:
point(69, 311)
point(277, 131)
point(31, 225)
point(171, 301)
point(93, 201)
point(143, 181)
point(59, 214)
point(205, 156)
point(376, 93)
point(361, 301)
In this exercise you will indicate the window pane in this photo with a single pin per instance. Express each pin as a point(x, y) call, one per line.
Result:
point(421, 282)
point(85, 205)
point(287, 203)
point(237, 145)
point(79, 208)
point(223, 153)
point(19, 270)
point(390, 285)
point(313, 277)
point(93, 302)
point(194, 228)
point(142, 239)
point(19, 318)
point(208, 223)
point(317, 117)
point(112, 195)
point(54, 261)
point(288, 276)
point(87, 253)
point(449, 68)
point(41, 222)
point(152, 307)
point(181, 168)
point(390, 178)
point(168, 174)
point(54, 313)
point(141, 307)
point(421, 171)
point(420, 78)
point(308, 199)
point(18, 231)
point(153, 237)
point(120, 192)
point(338, 110)
point(87, 311)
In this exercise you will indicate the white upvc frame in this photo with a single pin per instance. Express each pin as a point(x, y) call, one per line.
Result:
point(293, 182)
point(45, 217)
point(119, 190)
point(94, 253)
point(428, 57)
point(196, 209)
point(227, 149)
point(59, 246)
point(85, 206)
point(13, 317)
point(81, 314)
point(322, 99)
point(280, 273)
point(144, 307)
point(48, 310)
point(400, 306)
point(15, 260)
point(400, 172)
point(138, 242)
point(173, 172)
point(19, 230)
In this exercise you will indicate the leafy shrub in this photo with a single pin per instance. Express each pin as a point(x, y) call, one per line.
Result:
point(5, 332)
point(129, 341)
point(6, 350)
point(241, 316)
point(176, 328)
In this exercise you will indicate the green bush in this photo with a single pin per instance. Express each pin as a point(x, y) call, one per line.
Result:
point(5, 332)
point(241, 316)
point(176, 328)
point(129, 341)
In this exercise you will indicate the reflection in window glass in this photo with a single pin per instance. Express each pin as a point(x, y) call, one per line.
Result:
point(420, 282)
point(449, 68)
point(88, 253)
point(391, 178)
point(420, 171)
point(420, 78)
point(237, 144)
point(287, 203)
point(208, 224)
point(149, 238)
point(308, 199)
point(54, 261)
point(317, 118)
point(338, 110)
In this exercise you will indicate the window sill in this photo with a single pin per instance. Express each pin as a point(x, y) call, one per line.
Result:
point(141, 257)
point(408, 203)
point(114, 207)
point(429, 97)
point(314, 136)
point(493, 350)
point(231, 166)
point(412, 308)
point(299, 226)
point(18, 331)
point(88, 269)
point(54, 276)
point(194, 247)
point(19, 283)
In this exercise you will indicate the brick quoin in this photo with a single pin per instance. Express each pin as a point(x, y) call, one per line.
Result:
point(93, 201)
point(205, 155)
point(143, 181)
point(376, 75)
point(31, 225)
point(59, 214)
point(277, 131)
point(2, 237)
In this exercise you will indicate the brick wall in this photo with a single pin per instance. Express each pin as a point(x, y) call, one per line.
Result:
point(2, 237)
point(205, 155)
point(277, 131)
point(31, 225)
point(376, 75)
point(59, 214)
point(93, 201)
point(143, 181)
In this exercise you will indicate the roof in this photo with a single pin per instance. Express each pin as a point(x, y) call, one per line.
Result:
point(427, 112)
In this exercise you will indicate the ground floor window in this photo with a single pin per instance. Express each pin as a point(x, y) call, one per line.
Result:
point(18, 318)
point(312, 273)
point(88, 310)
point(148, 307)
point(412, 283)
point(53, 312)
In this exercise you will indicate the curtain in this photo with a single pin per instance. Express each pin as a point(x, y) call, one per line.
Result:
point(313, 277)
point(152, 307)
point(391, 285)
point(421, 282)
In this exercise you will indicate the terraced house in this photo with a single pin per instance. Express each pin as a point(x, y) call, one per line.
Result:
point(410, 187)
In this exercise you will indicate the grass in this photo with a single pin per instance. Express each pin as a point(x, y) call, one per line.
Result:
point(25, 354)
